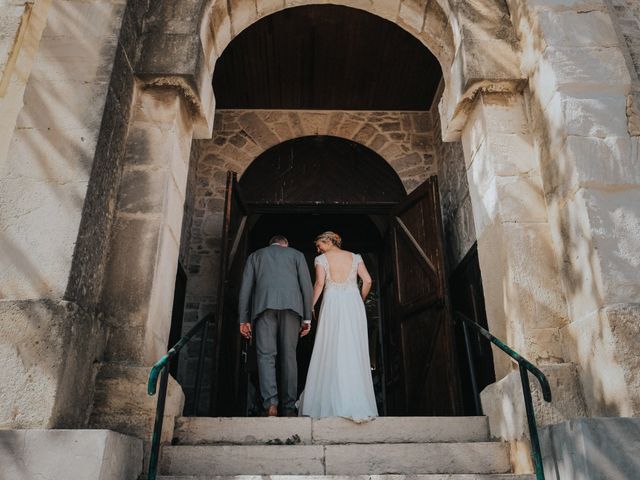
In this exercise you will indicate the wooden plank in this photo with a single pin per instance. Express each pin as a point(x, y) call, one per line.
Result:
point(415, 245)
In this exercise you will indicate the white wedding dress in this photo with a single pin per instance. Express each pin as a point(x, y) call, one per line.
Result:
point(339, 380)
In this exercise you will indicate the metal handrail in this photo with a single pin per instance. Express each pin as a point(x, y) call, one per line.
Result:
point(163, 365)
point(523, 365)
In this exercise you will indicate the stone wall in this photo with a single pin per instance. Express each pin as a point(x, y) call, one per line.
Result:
point(67, 108)
point(455, 202)
point(21, 26)
point(404, 139)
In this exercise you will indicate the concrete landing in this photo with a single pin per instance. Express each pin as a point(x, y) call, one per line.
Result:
point(327, 431)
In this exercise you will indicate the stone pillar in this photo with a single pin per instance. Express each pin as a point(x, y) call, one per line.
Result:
point(140, 276)
point(521, 282)
point(51, 342)
point(584, 105)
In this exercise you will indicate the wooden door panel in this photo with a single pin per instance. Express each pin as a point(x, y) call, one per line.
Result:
point(228, 378)
point(416, 282)
point(429, 369)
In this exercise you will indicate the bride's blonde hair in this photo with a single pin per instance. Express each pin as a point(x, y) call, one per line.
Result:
point(330, 237)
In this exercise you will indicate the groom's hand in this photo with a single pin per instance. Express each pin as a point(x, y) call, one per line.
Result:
point(305, 328)
point(245, 330)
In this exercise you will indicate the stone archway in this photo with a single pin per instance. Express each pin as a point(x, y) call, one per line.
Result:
point(481, 100)
point(486, 104)
point(549, 133)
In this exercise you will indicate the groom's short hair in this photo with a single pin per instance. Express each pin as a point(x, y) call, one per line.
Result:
point(278, 239)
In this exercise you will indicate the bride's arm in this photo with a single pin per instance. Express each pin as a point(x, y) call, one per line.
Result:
point(363, 273)
point(319, 285)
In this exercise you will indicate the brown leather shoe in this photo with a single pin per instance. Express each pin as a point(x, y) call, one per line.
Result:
point(272, 411)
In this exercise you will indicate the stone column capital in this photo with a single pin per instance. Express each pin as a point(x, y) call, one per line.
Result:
point(177, 60)
point(456, 105)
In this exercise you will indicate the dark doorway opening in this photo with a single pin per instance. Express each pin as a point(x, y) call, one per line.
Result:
point(362, 235)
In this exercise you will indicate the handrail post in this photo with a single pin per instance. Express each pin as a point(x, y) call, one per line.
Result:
point(531, 420)
point(157, 427)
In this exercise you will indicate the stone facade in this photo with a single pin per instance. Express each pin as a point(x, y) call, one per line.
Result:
point(94, 160)
point(455, 202)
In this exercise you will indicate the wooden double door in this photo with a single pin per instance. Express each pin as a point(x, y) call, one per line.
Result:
point(418, 348)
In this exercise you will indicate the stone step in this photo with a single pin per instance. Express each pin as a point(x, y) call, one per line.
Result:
point(326, 431)
point(353, 459)
point(497, 476)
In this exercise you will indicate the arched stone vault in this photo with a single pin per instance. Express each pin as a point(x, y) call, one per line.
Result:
point(403, 139)
point(474, 42)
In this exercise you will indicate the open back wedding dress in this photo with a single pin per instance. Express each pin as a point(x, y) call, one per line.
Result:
point(339, 379)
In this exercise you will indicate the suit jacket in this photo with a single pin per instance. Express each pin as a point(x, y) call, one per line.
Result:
point(275, 278)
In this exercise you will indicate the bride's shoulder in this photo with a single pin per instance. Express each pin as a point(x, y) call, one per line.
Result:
point(357, 257)
point(320, 259)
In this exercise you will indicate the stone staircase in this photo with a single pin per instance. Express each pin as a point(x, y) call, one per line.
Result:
point(426, 448)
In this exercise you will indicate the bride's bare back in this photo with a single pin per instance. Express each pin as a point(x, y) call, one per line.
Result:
point(340, 264)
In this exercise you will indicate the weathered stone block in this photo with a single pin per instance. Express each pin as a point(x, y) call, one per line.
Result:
point(220, 26)
point(581, 70)
point(243, 13)
point(180, 16)
point(572, 28)
point(105, 18)
point(477, 457)
point(128, 277)
point(334, 430)
point(503, 402)
point(243, 459)
point(69, 455)
point(81, 109)
point(258, 130)
point(521, 199)
point(35, 215)
point(412, 13)
point(591, 449)
point(50, 352)
point(171, 54)
point(60, 55)
point(386, 8)
point(533, 299)
point(266, 7)
point(122, 404)
point(615, 224)
point(143, 191)
point(571, 5)
point(237, 431)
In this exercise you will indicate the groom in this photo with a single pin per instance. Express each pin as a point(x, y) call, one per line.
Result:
point(276, 296)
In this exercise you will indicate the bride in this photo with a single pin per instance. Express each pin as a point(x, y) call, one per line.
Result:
point(339, 379)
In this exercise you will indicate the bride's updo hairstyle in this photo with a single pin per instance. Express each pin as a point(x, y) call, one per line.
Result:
point(330, 237)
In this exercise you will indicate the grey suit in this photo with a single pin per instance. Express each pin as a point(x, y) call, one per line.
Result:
point(276, 292)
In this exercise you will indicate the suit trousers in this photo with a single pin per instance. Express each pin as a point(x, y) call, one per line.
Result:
point(277, 333)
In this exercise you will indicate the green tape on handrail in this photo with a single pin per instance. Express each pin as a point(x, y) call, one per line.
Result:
point(155, 373)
